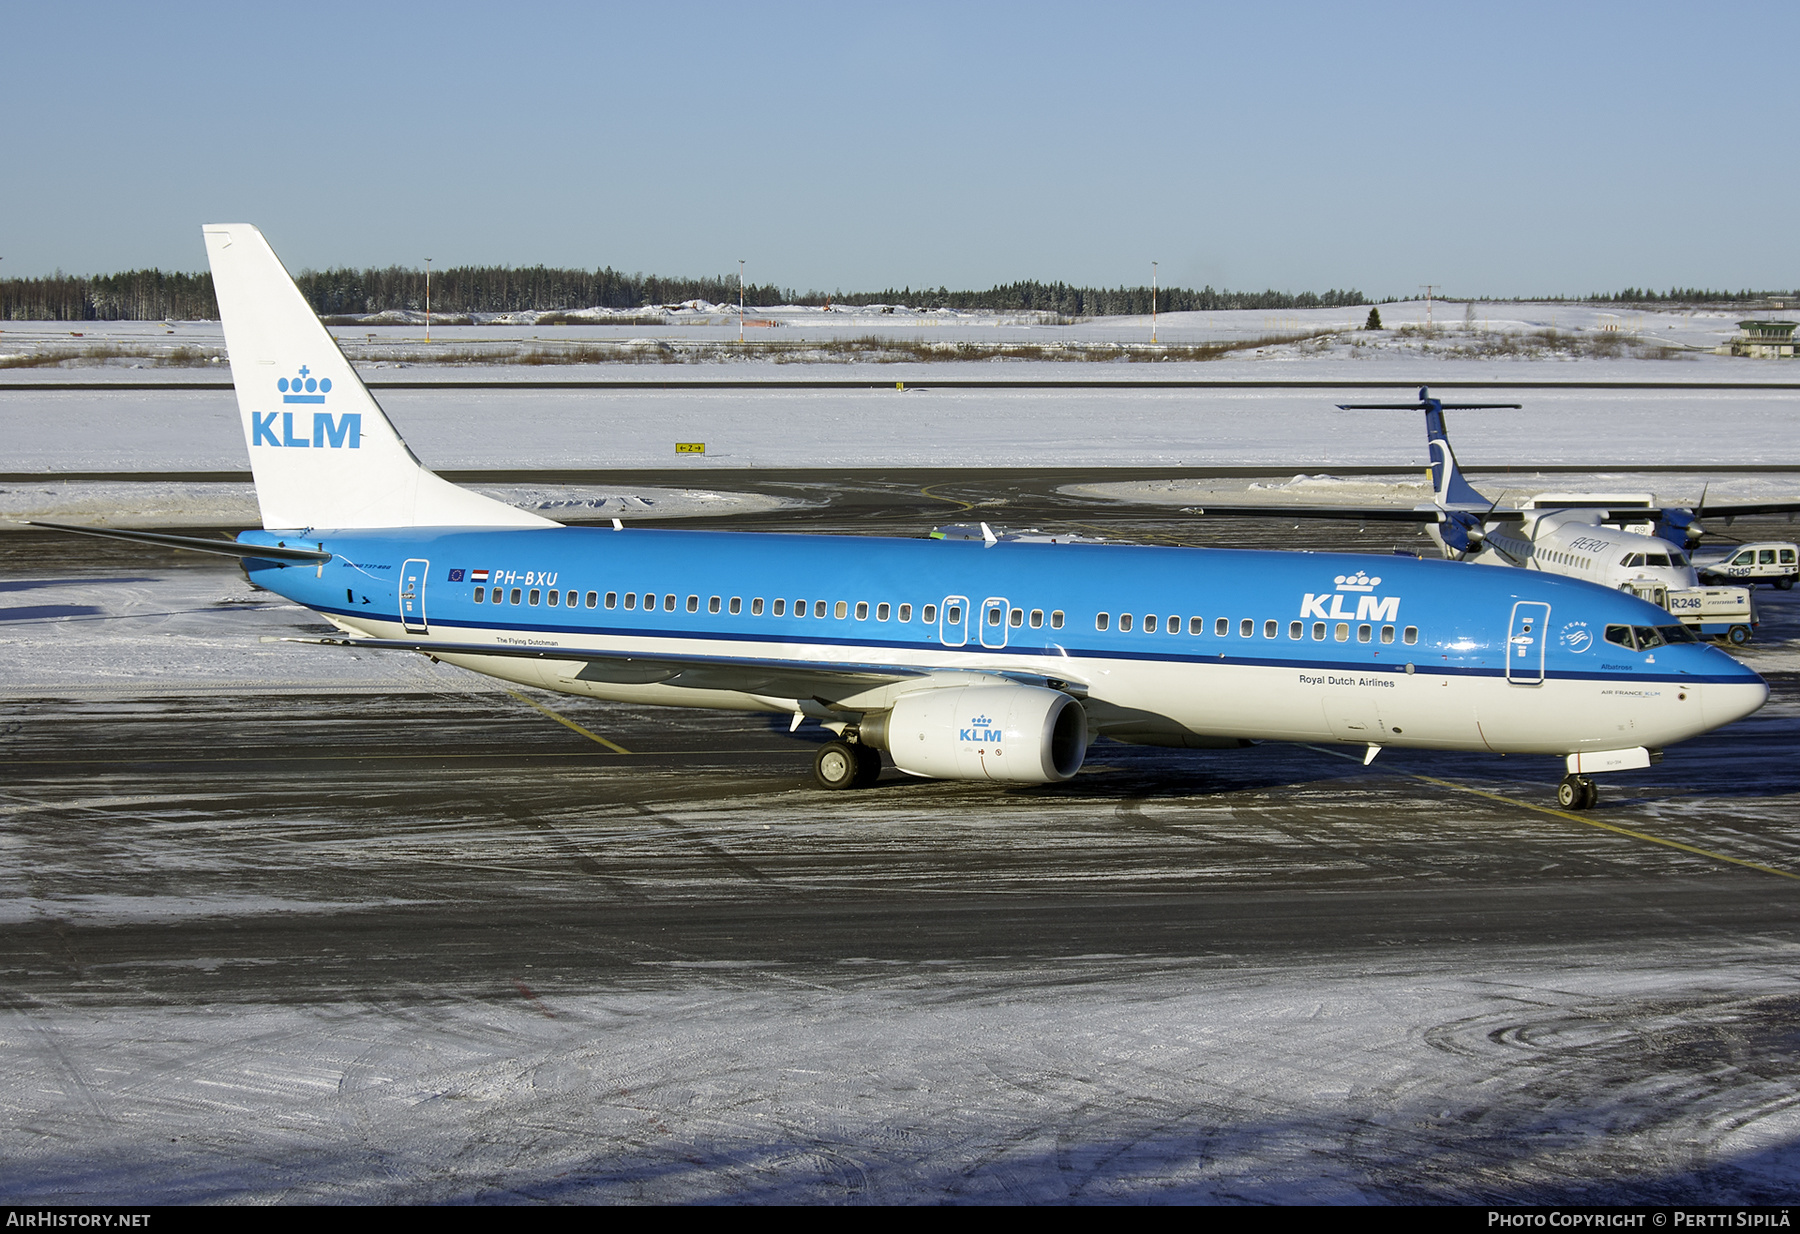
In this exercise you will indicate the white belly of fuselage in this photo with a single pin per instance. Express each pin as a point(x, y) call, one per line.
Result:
point(1382, 704)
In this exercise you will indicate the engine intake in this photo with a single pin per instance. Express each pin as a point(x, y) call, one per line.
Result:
point(1012, 734)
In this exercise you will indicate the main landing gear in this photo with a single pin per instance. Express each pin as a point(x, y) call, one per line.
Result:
point(843, 764)
point(1577, 793)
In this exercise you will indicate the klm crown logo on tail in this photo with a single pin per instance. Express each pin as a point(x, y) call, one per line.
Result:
point(304, 389)
point(328, 433)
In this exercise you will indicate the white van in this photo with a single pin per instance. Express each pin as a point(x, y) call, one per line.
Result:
point(1767, 561)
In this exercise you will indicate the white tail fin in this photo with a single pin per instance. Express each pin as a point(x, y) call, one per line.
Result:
point(322, 451)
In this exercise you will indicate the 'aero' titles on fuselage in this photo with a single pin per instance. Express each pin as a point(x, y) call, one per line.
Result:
point(328, 432)
point(1368, 607)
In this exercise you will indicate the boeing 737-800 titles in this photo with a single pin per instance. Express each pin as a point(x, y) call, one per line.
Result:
point(961, 659)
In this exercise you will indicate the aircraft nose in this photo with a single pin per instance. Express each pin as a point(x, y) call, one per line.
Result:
point(1724, 702)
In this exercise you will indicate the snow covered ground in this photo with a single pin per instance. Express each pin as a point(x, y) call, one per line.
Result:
point(1502, 331)
point(1457, 1077)
point(1283, 429)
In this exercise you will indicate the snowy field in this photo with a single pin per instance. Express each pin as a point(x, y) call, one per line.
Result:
point(1284, 429)
point(1455, 331)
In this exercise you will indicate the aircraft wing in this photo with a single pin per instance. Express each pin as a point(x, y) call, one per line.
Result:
point(1372, 514)
point(742, 674)
point(1739, 511)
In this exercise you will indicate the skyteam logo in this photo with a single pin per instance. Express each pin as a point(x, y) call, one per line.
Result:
point(328, 432)
point(305, 388)
point(1358, 586)
point(978, 730)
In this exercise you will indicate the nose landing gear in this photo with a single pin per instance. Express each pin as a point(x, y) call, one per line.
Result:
point(1577, 793)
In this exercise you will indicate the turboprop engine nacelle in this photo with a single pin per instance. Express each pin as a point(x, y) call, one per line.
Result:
point(1014, 734)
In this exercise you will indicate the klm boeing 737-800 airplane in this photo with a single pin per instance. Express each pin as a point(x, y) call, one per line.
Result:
point(962, 659)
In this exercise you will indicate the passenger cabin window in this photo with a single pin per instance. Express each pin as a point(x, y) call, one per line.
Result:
point(1342, 634)
point(883, 611)
point(1363, 634)
point(780, 608)
point(534, 597)
point(693, 604)
point(593, 599)
point(756, 607)
point(479, 592)
point(612, 599)
point(1246, 628)
point(1100, 621)
point(1016, 618)
point(841, 610)
point(1222, 627)
point(630, 600)
point(1411, 635)
point(554, 598)
point(1387, 634)
point(862, 610)
point(1125, 622)
point(515, 595)
point(1149, 623)
point(572, 597)
point(1318, 631)
point(1196, 625)
point(713, 605)
point(668, 604)
point(737, 605)
point(1296, 630)
point(1056, 619)
point(994, 615)
point(1269, 628)
point(819, 608)
point(1037, 618)
point(903, 614)
point(928, 614)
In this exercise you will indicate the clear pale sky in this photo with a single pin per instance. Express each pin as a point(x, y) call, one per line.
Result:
point(1494, 149)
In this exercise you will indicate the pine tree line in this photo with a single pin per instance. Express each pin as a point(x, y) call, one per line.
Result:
point(149, 295)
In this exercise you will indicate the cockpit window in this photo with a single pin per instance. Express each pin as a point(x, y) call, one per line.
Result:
point(1676, 634)
point(1676, 559)
point(1656, 559)
point(1622, 636)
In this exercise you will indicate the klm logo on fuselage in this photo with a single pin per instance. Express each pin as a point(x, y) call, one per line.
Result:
point(328, 432)
point(979, 731)
point(1356, 587)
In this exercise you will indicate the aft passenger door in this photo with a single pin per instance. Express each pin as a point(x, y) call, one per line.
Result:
point(412, 595)
point(1526, 643)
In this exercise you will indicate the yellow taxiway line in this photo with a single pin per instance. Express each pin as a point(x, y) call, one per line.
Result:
point(1574, 818)
point(614, 746)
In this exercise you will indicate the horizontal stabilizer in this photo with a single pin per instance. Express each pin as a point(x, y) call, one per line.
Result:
point(197, 544)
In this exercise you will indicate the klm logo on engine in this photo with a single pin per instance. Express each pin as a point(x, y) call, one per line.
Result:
point(328, 432)
point(1356, 587)
point(978, 730)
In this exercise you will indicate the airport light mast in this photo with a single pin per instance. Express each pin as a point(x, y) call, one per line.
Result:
point(740, 300)
point(1153, 302)
point(428, 299)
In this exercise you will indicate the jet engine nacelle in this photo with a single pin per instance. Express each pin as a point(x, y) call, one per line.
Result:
point(1013, 734)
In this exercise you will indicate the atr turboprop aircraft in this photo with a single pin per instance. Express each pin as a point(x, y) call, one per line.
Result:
point(1557, 533)
point(988, 659)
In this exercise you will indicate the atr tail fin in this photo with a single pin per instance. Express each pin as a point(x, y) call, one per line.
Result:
point(1447, 484)
point(322, 451)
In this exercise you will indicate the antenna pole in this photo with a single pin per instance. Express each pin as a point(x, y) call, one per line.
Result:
point(1153, 302)
point(740, 300)
point(428, 299)
point(1429, 287)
